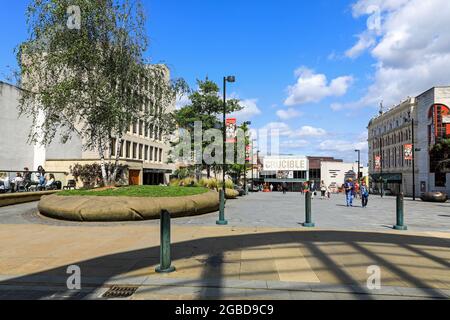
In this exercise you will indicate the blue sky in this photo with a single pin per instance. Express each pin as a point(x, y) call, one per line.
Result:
point(293, 60)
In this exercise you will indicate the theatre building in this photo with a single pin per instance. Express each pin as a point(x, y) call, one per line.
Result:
point(400, 144)
point(293, 170)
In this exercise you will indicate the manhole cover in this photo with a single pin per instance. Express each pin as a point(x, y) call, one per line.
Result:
point(120, 292)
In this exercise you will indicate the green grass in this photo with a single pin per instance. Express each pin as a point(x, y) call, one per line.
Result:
point(139, 191)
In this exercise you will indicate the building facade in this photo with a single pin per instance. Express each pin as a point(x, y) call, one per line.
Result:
point(400, 141)
point(293, 170)
point(144, 149)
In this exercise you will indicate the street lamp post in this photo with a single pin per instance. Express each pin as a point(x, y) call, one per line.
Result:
point(413, 160)
point(359, 163)
point(253, 164)
point(222, 220)
point(246, 123)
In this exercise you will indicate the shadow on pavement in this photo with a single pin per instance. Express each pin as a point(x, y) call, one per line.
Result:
point(320, 246)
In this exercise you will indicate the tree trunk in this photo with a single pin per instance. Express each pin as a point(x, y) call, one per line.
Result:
point(103, 166)
point(208, 170)
point(116, 162)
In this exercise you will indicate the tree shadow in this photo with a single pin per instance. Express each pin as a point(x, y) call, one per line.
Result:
point(317, 243)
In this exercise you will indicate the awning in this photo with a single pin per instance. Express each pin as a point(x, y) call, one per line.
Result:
point(388, 177)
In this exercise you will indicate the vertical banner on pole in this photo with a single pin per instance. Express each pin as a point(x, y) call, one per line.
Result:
point(408, 151)
point(231, 130)
point(378, 162)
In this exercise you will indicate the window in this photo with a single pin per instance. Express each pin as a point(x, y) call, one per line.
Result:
point(300, 175)
point(146, 129)
point(128, 149)
point(151, 153)
point(141, 127)
point(146, 153)
point(314, 174)
point(141, 148)
point(121, 149)
point(135, 146)
point(160, 155)
point(135, 125)
point(440, 179)
point(150, 135)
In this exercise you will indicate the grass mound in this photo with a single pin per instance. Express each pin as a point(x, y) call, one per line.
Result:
point(138, 191)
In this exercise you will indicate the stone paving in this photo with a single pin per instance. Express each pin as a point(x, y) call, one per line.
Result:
point(263, 254)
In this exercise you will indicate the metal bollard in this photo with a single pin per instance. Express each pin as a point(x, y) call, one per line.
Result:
point(222, 221)
point(400, 213)
point(308, 223)
point(165, 256)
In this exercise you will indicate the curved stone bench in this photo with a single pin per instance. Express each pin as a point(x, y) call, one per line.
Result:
point(110, 209)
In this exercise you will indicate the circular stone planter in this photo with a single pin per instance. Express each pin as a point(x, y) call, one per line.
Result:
point(114, 209)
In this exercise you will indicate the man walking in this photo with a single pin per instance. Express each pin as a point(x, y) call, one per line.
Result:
point(349, 189)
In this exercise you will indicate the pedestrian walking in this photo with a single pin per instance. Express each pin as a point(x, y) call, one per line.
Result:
point(285, 187)
point(271, 188)
point(323, 190)
point(349, 190)
point(364, 194)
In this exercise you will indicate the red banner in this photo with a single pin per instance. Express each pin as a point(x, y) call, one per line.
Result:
point(408, 151)
point(231, 130)
point(377, 162)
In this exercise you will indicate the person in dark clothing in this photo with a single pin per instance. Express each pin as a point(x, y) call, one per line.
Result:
point(285, 187)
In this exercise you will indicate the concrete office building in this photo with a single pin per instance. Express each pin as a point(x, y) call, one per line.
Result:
point(15, 152)
point(391, 136)
point(145, 149)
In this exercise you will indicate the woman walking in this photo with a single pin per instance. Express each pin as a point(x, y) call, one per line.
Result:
point(364, 194)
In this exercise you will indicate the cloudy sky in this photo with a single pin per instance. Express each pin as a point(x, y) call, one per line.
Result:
point(316, 71)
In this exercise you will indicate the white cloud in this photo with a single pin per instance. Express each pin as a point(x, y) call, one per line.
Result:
point(411, 48)
point(288, 114)
point(250, 110)
point(284, 130)
point(313, 87)
point(342, 146)
point(295, 144)
point(308, 131)
point(182, 101)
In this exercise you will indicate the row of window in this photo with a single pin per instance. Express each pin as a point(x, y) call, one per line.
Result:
point(391, 124)
point(143, 129)
point(393, 158)
point(138, 151)
point(398, 137)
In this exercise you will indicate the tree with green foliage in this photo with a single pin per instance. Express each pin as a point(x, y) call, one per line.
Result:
point(206, 106)
point(83, 72)
point(440, 155)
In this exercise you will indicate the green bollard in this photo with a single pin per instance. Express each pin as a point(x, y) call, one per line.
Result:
point(308, 223)
point(166, 261)
point(400, 214)
point(222, 221)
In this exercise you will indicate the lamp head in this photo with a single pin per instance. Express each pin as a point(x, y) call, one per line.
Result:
point(231, 79)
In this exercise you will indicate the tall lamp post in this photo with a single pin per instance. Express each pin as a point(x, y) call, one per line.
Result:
point(253, 165)
point(413, 155)
point(222, 220)
point(359, 163)
point(246, 123)
point(230, 79)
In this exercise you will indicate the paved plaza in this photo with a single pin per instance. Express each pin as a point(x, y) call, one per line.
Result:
point(264, 253)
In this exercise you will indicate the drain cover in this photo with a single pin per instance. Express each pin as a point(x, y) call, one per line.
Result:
point(120, 292)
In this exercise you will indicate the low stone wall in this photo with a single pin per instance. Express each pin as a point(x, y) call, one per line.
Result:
point(10, 199)
point(109, 209)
